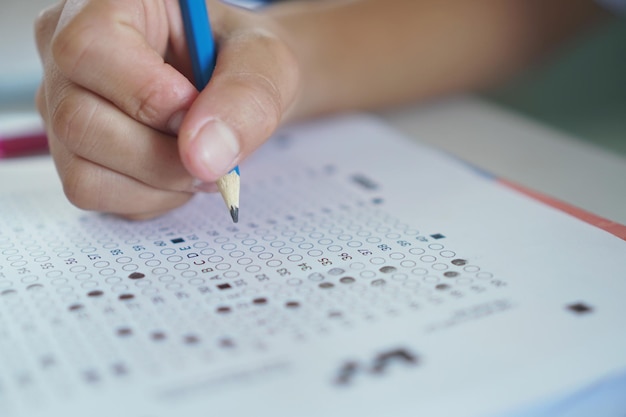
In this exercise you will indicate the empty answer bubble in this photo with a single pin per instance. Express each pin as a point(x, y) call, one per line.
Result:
point(439, 266)
point(316, 276)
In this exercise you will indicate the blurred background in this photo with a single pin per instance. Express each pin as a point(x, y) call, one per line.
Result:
point(581, 90)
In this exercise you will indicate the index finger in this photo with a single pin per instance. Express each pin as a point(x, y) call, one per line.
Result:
point(115, 48)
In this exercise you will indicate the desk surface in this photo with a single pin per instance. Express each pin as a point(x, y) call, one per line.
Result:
point(520, 150)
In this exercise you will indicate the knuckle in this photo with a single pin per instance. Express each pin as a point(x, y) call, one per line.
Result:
point(269, 115)
point(291, 74)
point(288, 72)
point(271, 90)
point(266, 98)
point(71, 45)
point(42, 22)
point(145, 106)
point(152, 101)
point(42, 25)
point(263, 103)
point(281, 51)
point(81, 186)
point(71, 121)
point(63, 116)
point(46, 22)
point(274, 46)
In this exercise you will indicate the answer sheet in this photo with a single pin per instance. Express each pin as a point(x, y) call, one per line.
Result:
point(367, 276)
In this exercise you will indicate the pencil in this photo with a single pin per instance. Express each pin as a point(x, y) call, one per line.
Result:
point(203, 56)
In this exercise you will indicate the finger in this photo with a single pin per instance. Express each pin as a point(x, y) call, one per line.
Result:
point(88, 186)
point(97, 131)
point(254, 83)
point(115, 48)
point(45, 25)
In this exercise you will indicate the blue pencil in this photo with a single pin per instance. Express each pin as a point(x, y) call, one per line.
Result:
point(203, 55)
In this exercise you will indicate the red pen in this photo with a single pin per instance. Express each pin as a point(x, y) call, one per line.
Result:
point(22, 135)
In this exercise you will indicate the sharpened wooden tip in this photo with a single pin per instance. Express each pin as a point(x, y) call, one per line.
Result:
point(229, 188)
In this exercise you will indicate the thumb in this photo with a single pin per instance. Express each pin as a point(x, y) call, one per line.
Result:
point(254, 83)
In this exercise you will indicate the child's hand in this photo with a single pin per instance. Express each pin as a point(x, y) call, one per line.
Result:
point(116, 94)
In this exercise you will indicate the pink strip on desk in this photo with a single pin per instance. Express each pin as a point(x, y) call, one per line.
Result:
point(24, 145)
point(612, 227)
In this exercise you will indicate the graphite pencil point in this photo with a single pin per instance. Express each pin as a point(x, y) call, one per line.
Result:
point(234, 213)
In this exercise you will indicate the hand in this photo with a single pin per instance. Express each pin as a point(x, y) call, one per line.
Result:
point(116, 92)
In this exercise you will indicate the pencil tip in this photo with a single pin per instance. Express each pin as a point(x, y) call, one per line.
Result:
point(234, 213)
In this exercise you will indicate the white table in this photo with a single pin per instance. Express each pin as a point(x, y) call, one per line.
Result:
point(520, 150)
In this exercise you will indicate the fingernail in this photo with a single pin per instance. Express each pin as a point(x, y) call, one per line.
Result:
point(199, 186)
point(215, 148)
point(176, 120)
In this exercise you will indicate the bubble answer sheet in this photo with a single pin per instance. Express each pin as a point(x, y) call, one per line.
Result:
point(367, 276)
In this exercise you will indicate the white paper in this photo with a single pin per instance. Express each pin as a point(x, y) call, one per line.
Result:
point(368, 276)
